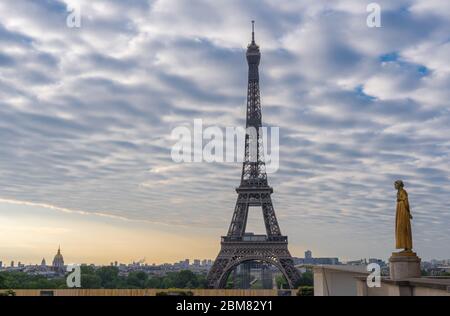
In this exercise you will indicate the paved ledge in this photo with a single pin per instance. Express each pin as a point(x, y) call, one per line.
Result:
point(342, 268)
point(442, 284)
point(434, 283)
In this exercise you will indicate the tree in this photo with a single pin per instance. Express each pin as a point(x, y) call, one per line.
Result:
point(186, 279)
point(91, 281)
point(8, 293)
point(201, 281)
point(109, 277)
point(305, 291)
point(137, 279)
point(154, 283)
point(89, 278)
point(282, 282)
point(2, 281)
point(105, 278)
point(307, 279)
point(21, 280)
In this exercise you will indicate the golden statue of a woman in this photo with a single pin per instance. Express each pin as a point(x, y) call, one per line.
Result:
point(403, 235)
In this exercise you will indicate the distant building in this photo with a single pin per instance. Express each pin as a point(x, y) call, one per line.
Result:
point(185, 264)
point(361, 262)
point(43, 263)
point(58, 262)
point(310, 260)
point(12, 264)
point(308, 254)
point(380, 262)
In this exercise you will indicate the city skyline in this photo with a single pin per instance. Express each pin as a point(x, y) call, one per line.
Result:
point(87, 115)
point(6, 262)
point(308, 257)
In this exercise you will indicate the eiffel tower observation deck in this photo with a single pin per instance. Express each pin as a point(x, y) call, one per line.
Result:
point(239, 246)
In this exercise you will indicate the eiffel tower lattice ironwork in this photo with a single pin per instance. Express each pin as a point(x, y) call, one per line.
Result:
point(238, 246)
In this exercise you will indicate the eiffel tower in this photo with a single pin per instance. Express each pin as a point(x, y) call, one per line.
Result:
point(238, 246)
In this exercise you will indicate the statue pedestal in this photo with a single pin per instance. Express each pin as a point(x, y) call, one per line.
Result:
point(404, 265)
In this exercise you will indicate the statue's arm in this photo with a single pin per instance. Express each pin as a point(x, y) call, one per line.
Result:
point(406, 201)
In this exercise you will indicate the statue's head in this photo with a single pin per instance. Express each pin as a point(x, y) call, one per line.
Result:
point(398, 184)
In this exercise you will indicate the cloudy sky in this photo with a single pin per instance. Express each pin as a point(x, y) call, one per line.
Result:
point(86, 116)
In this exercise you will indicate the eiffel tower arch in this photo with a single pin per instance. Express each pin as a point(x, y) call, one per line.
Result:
point(238, 246)
point(234, 253)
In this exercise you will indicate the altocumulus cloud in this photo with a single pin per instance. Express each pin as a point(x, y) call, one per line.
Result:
point(86, 114)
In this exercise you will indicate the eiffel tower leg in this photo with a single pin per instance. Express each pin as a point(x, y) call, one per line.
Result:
point(270, 219)
point(291, 273)
point(217, 270)
point(239, 220)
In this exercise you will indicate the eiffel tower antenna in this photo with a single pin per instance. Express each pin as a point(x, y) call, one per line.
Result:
point(253, 32)
point(238, 246)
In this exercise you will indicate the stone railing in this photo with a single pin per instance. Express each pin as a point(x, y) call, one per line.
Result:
point(337, 280)
point(425, 286)
point(343, 280)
